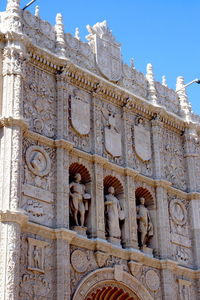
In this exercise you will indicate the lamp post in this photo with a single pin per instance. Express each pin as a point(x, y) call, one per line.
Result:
point(191, 82)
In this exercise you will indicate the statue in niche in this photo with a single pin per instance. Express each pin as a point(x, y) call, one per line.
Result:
point(114, 214)
point(78, 200)
point(145, 226)
point(36, 258)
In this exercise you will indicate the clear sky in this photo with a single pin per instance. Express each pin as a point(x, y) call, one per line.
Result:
point(164, 33)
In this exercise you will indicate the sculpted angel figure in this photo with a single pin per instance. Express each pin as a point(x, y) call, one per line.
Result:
point(78, 200)
point(145, 226)
point(113, 213)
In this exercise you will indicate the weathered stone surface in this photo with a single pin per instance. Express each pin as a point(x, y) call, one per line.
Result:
point(83, 138)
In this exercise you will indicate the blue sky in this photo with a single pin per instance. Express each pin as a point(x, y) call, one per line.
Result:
point(164, 33)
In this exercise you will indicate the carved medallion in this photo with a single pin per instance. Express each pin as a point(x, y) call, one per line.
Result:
point(152, 280)
point(80, 113)
point(178, 212)
point(79, 261)
point(38, 161)
point(142, 142)
point(113, 142)
point(107, 51)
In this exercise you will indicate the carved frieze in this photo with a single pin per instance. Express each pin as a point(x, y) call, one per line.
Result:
point(39, 101)
point(152, 280)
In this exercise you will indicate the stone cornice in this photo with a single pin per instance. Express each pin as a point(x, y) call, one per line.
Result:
point(14, 217)
point(102, 245)
point(12, 122)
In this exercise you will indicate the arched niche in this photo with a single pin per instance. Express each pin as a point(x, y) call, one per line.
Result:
point(86, 181)
point(113, 181)
point(143, 192)
point(104, 284)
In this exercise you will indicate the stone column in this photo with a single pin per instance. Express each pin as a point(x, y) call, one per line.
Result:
point(10, 254)
point(11, 152)
point(129, 233)
point(191, 157)
point(97, 223)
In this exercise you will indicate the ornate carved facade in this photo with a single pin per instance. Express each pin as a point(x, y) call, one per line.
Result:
point(100, 164)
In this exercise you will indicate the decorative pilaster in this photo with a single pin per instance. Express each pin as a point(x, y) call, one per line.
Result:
point(10, 225)
point(185, 107)
point(151, 85)
point(162, 221)
point(60, 37)
point(168, 284)
point(97, 225)
point(157, 143)
point(13, 21)
point(130, 223)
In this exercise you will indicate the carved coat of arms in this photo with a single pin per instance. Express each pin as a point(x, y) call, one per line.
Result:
point(142, 140)
point(80, 113)
point(107, 51)
point(113, 143)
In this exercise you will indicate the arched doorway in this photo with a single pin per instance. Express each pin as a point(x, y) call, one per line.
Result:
point(103, 284)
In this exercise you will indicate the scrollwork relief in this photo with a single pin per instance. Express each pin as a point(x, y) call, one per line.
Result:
point(39, 101)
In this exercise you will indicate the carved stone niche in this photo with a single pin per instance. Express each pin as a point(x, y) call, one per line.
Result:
point(36, 255)
point(79, 197)
point(184, 289)
point(113, 209)
point(144, 204)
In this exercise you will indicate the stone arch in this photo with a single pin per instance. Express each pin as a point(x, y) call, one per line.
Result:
point(104, 281)
point(79, 168)
point(149, 199)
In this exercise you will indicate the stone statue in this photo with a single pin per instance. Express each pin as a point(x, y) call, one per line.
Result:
point(145, 226)
point(113, 213)
point(36, 258)
point(78, 200)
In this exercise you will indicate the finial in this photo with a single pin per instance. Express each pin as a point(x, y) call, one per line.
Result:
point(164, 82)
point(13, 4)
point(77, 33)
point(60, 37)
point(132, 64)
point(37, 11)
point(185, 108)
point(150, 78)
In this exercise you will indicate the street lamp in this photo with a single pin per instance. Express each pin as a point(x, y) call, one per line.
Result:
point(191, 82)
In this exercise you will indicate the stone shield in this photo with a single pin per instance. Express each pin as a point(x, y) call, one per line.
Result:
point(142, 143)
point(113, 142)
point(108, 58)
point(80, 116)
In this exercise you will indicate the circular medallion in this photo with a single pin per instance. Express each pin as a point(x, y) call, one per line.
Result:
point(79, 261)
point(178, 212)
point(152, 280)
point(38, 161)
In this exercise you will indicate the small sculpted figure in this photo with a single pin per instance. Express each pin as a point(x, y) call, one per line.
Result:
point(36, 258)
point(78, 200)
point(113, 213)
point(145, 226)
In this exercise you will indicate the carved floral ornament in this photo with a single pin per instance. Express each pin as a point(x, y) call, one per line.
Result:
point(38, 161)
point(178, 212)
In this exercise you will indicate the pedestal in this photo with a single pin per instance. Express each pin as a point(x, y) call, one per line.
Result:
point(80, 230)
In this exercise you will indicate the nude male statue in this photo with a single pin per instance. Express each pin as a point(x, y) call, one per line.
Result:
point(145, 226)
point(78, 200)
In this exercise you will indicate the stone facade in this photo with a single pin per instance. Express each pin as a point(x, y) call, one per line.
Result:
point(100, 193)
